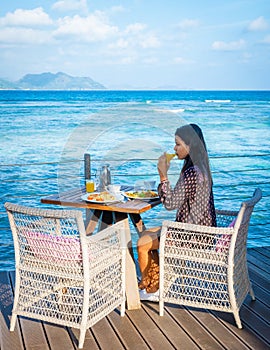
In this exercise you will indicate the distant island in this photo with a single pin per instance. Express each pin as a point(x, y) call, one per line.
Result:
point(50, 81)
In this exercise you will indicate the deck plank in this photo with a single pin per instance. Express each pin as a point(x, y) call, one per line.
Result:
point(169, 327)
point(105, 335)
point(148, 330)
point(254, 322)
point(8, 340)
point(261, 294)
point(245, 335)
point(218, 329)
point(32, 330)
point(259, 308)
point(260, 262)
point(265, 251)
point(179, 328)
point(58, 337)
point(197, 331)
point(126, 331)
point(89, 342)
point(261, 254)
point(256, 276)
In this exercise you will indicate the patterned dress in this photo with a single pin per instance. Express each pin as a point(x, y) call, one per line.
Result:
point(192, 196)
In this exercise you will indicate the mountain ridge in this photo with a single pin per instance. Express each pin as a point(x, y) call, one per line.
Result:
point(51, 81)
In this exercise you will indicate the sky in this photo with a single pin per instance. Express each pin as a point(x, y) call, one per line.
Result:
point(140, 44)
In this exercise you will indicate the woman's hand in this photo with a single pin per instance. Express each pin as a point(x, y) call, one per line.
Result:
point(163, 166)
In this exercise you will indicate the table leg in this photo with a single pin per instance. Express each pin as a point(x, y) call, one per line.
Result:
point(121, 216)
point(92, 218)
point(138, 223)
point(106, 220)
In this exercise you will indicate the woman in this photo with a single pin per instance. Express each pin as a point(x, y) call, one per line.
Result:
point(192, 196)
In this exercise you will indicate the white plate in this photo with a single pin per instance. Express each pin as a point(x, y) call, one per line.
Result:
point(133, 195)
point(113, 199)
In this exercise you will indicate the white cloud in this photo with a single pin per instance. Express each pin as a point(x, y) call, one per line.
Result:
point(135, 37)
point(128, 59)
point(91, 28)
point(119, 44)
point(258, 24)
point(151, 60)
point(70, 5)
point(188, 24)
point(150, 41)
point(115, 58)
point(18, 36)
point(138, 36)
point(135, 28)
point(26, 18)
point(181, 60)
point(230, 46)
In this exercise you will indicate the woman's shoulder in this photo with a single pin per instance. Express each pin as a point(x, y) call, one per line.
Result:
point(194, 169)
point(195, 172)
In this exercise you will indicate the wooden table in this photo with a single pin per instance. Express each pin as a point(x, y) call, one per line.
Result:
point(104, 215)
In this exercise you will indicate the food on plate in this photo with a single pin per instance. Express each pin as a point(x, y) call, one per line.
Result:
point(101, 197)
point(142, 194)
point(170, 156)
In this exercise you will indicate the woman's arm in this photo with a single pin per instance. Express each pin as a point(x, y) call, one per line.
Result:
point(163, 167)
point(185, 188)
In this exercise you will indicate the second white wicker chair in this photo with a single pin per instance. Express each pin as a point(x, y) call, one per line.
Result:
point(206, 267)
point(62, 275)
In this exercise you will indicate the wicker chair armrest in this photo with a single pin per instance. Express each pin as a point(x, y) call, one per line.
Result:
point(226, 212)
point(50, 213)
point(199, 229)
point(226, 218)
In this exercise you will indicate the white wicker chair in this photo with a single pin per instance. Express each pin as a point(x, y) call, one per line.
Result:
point(62, 275)
point(206, 267)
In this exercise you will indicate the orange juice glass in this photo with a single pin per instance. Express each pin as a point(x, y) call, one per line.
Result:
point(90, 186)
point(169, 156)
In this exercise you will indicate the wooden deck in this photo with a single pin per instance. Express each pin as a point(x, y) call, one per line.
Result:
point(180, 328)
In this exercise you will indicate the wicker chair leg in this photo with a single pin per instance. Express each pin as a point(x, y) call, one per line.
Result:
point(161, 308)
point(237, 319)
point(82, 337)
point(13, 322)
point(123, 308)
point(251, 292)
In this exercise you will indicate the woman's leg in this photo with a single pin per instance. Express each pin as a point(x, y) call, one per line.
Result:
point(153, 273)
point(146, 244)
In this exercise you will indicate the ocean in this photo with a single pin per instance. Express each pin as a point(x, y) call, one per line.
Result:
point(45, 134)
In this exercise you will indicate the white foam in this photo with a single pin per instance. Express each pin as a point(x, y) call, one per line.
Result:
point(217, 101)
point(179, 110)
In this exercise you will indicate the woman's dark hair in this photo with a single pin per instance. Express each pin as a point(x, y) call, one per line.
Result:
point(192, 135)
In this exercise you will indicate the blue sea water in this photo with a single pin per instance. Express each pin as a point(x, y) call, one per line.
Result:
point(44, 135)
